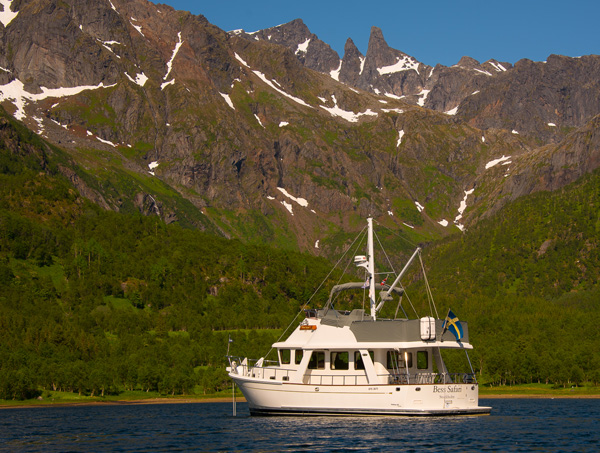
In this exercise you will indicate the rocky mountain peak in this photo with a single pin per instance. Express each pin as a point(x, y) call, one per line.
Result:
point(168, 115)
point(352, 64)
point(295, 35)
point(467, 63)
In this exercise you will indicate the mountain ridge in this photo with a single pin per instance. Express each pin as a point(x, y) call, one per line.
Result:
point(174, 117)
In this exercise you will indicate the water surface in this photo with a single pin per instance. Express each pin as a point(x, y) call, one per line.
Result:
point(515, 425)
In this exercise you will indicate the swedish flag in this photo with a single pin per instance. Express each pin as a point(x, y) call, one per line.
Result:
point(452, 324)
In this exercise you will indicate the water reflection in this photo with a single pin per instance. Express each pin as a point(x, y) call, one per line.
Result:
point(514, 425)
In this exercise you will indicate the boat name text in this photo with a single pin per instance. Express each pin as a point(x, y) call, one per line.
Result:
point(447, 389)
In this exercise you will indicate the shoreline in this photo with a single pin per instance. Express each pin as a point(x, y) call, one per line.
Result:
point(191, 400)
point(139, 402)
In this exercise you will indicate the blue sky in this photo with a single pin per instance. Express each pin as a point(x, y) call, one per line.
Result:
point(433, 31)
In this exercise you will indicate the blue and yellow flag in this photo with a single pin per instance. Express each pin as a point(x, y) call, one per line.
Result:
point(452, 324)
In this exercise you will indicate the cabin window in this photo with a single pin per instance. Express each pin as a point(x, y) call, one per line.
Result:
point(317, 360)
point(339, 360)
point(396, 360)
point(298, 356)
point(422, 360)
point(358, 361)
point(393, 361)
point(284, 356)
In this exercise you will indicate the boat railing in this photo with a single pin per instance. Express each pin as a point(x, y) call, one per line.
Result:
point(259, 368)
point(335, 379)
point(432, 378)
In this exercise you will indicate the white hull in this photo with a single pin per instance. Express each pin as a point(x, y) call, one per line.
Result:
point(271, 398)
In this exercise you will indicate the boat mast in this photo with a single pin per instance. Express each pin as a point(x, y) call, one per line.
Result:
point(371, 268)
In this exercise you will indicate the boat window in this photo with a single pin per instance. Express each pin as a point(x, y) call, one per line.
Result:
point(408, 357)
point(393, 361)
point(339, 360)
point(422, 360)
point(358, 361)
point(396, 360)
point(317, 360)
point(298, 356)
point(284, 355)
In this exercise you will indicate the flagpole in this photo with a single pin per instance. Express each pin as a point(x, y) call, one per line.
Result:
point(444, 326)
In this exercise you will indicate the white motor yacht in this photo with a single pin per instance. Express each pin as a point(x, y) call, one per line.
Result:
point(354, 363)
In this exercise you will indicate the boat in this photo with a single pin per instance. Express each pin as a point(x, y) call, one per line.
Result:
point(338, 362)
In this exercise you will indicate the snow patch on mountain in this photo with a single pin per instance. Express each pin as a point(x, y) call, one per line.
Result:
point(335, 74)
point(497, 66)
point(137, 27)
point(15, 92)
point(106, 142)
point(400, 135)
point(261, 76)
point(392, 110)
point(303, 47)
point(461, 208)
point(493, 163)
point(301, 201)
point(402, 64)
point(362, 64)
point(288, 206)
point(348, 116)
point(423, 97)
point(482, 72)
point(271, 83)
point(175, 50)
point(7, 16)
point(166, 84)
point(140, 79)
point(228, 100)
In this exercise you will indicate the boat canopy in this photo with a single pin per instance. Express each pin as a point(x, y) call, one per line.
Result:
point(384, 293)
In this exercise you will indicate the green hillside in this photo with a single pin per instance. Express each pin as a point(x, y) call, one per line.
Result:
point(94, 302)
point(527, 280)
point(99, 302)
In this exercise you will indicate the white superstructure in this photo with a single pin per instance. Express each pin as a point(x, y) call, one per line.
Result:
point(353, 363)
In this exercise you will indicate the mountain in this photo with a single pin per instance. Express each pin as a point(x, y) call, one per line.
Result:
point(126, 127)
point(535, 98)
point(272, 137)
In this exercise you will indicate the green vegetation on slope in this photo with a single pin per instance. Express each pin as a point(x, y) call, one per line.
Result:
point(527, 280)
point(98, 303)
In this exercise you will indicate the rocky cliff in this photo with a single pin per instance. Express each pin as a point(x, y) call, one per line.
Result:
point(270, 136)
point(543, 99)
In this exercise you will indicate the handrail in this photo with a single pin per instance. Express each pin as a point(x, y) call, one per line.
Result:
point(237, 366)
point(432, 378)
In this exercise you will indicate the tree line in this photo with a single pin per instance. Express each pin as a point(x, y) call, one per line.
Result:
point(99, 302)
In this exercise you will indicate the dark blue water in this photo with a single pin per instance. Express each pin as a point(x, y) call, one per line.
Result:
point(515, 425)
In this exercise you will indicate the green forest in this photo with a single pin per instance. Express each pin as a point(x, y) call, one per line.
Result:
point(98, 302)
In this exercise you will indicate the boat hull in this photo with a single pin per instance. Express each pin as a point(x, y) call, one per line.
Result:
point(282, 398)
